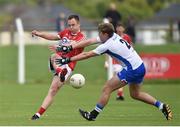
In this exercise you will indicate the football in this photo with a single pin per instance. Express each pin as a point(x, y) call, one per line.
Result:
point(77, 81)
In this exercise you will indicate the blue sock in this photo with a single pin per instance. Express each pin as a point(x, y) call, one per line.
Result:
point(99, 107)
point(95, 112)
point(159, 104)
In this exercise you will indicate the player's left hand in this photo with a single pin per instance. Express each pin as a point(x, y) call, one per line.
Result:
point(62, 61)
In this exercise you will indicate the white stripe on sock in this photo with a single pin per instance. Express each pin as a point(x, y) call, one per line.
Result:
point(98, 109)
point(38, 114)
point(161, 106)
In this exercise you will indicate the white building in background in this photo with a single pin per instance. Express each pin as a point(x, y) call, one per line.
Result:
point(156, 29)
point(44, 19)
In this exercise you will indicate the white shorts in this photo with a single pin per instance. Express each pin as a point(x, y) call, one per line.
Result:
point(69, 71)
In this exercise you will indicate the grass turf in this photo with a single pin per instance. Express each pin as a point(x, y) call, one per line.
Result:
point(19, 102)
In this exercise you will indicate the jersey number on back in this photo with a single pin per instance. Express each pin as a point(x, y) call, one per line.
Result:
point(127, 44)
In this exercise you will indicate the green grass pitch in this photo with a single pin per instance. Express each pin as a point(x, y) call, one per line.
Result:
point(19, 102)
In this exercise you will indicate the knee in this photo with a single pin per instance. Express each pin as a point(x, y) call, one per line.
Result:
point(107, 89)
point(134, 95)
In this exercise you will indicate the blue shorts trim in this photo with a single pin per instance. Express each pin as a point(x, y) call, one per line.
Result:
point(132, 76)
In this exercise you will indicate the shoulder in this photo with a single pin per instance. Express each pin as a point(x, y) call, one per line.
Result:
point(127, 37)
point(80, 36)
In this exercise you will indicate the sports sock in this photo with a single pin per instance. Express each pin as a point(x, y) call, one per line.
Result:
point(120, 93)
point(41, 111)
point(94, 113)
point(159, 105)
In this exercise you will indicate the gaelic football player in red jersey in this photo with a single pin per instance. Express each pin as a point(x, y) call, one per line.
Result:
point(61, 73)
point(120, 31)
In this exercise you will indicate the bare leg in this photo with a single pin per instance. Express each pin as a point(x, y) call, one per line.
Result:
point(109, 87)
point(145, 97)
point(135, 93)
point(54, 88)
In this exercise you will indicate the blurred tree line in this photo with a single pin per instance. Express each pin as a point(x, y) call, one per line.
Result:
point(95, 9)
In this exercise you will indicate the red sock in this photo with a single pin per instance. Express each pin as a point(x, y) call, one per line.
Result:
point(120, 93)
point(41, 110)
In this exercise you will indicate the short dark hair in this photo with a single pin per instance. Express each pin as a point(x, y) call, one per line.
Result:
point(106, 28)
point(76, 17)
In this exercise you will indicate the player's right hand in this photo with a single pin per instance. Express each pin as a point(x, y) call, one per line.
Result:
point(63, 48)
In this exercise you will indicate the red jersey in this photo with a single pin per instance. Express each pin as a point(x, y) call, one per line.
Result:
point(129, 40)
point(66, 36)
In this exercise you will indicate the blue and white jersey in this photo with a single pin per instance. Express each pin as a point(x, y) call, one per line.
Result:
point(119, 49)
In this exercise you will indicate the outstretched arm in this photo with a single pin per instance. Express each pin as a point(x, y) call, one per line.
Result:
point(75, 45)
point(45, 35)
point(84, 43)
point(81, 56)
